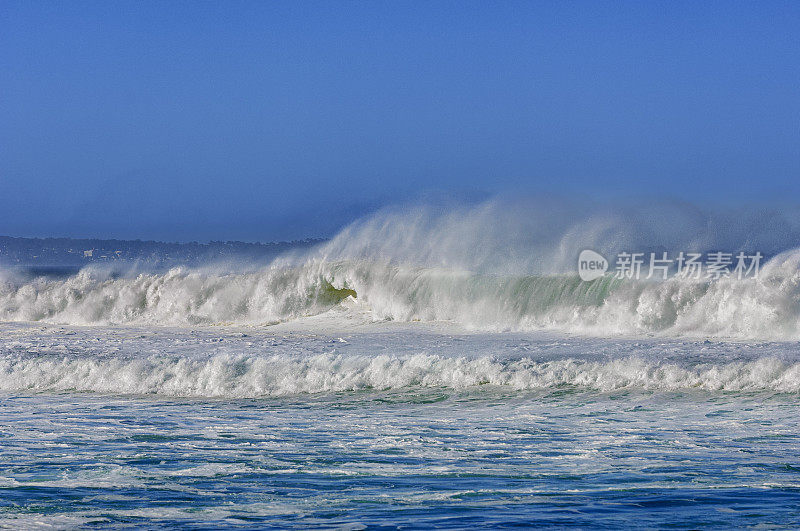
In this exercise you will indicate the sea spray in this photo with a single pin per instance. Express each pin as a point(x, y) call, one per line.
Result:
point(501, 265)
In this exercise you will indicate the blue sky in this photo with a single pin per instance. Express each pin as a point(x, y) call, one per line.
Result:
point(282, 120)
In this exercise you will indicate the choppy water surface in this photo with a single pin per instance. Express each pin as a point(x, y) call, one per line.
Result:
point(292, 428)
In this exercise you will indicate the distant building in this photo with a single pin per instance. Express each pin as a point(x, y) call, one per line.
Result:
point(88, 253)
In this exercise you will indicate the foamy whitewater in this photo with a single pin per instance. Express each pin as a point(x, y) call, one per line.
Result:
point(428, 366)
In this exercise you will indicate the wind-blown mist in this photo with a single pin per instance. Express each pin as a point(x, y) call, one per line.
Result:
point(535, 236)
point(499, 265)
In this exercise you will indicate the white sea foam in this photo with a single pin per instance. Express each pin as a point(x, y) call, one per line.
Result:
point(765, 308)
point(240, 376)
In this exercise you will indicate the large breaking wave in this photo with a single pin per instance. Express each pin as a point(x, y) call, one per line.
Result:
point(498, 266)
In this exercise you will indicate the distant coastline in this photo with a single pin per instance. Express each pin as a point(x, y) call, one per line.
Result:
point(77, 252)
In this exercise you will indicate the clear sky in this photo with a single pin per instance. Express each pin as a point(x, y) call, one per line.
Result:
point(280, 120)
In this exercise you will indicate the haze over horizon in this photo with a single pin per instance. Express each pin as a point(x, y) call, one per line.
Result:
point(265, 121)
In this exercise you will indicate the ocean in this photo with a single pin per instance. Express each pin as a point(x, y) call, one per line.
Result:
point(378, 386)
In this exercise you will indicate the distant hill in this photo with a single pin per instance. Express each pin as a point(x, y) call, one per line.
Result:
point(77, 252)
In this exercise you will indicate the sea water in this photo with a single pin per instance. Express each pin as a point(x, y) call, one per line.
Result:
point(391, 425)
point(419, 371)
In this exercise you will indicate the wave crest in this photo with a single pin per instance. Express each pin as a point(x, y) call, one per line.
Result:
point(764, 308)
point(496, 266)
point(232, 376)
